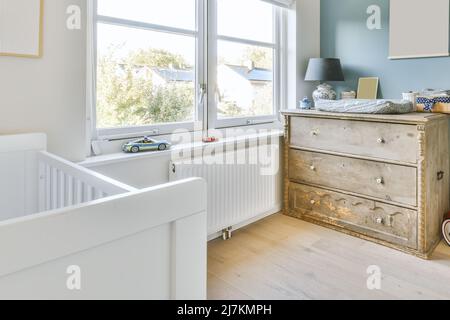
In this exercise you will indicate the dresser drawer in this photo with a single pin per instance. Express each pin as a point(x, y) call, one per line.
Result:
point(378, 220)
point(380, 180)
point(372, 139)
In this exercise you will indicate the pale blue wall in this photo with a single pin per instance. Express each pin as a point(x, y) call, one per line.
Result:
point(364, 53)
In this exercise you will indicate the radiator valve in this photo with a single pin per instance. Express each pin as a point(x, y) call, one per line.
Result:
point(227, 233)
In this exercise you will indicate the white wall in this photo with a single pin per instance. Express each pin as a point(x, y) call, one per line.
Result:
point(307, 43)
point(48, 94)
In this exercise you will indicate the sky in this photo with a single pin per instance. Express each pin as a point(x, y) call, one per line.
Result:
point(248, 19)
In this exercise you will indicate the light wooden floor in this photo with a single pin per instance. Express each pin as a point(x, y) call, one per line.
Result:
point(285, 258)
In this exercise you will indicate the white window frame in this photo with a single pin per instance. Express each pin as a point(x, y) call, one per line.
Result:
point(213, 38)
point(153, 129)
point(206, 66)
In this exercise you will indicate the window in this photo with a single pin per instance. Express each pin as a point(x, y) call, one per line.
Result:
point(243, 62)
point(146, 65)
point(152, 64)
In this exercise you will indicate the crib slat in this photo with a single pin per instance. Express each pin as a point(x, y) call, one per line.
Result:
point(88, 193)
point(54, 188)
point(48, 189)
point(78, 196)
point(82, 194)
point(41, 204)
point(69, 190)
point(98, 194)
point(61, 189)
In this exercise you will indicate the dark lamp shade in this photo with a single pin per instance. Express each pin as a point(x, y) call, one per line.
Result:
point(320, 69)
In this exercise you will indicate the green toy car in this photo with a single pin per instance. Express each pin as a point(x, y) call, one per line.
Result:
point(145, 144)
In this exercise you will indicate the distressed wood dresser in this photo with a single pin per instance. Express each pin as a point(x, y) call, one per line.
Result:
point(380, 178)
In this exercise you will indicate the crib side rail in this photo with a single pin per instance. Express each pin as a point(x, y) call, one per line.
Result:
point(63, 183)
point(146, 244)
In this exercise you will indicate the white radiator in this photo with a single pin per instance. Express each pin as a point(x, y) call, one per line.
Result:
point(238, 194)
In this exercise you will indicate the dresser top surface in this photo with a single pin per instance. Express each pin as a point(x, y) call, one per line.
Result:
point(412, 118)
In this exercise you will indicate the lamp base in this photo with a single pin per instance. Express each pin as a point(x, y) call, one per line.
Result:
point(324, 92)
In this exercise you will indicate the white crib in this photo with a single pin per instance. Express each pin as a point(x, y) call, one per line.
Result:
point(69, 233)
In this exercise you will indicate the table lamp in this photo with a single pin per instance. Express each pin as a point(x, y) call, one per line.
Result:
point(321, 69)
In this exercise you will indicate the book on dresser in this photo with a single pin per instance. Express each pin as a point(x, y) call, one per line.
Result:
point(383, 178)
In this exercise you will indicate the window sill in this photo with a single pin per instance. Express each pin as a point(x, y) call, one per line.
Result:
point(114, 158)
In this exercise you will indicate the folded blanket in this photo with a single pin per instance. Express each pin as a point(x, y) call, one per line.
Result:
point(366, 106)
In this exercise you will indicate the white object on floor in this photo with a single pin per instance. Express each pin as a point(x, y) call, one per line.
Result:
point(118, 242)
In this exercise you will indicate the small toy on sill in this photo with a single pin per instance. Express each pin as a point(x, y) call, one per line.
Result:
point(145, 144)
point(210, 139)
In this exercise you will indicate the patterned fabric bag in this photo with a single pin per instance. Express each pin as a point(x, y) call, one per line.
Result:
point(438, 104)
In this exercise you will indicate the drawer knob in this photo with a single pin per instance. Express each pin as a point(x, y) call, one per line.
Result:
point(381, 141)
point(380, 180)
point(313, 202)
point(380, 221)
point(314, 133)
point(313, 168)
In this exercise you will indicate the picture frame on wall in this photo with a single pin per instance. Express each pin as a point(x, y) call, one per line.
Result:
point(419, 29)
point(21, 28)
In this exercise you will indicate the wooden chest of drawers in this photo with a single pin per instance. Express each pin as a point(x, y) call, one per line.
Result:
point(381, 178)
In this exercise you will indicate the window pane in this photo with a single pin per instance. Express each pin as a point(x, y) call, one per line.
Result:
point(144, 77)
point(245, 80)
point(160, 12)
point(245, 19)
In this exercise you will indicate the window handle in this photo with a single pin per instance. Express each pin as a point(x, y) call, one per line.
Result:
point(255, 122)
point(202, 93)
